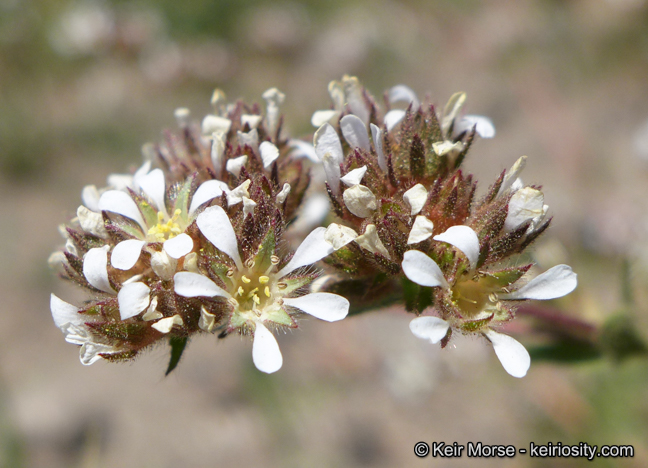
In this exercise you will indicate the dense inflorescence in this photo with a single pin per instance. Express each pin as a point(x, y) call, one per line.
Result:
point(194, 241)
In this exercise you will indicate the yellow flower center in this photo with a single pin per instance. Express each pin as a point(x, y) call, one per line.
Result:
point(166, 228)
point(474, 296)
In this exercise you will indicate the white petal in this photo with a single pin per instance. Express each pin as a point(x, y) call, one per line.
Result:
point(126, 254)
point(360, 201)
point(63, 313)
point(121, 203)
point(237, 195)
point(178, 246)
point(421, 269)
point(512, 175)
point(92, 222)
point(416, 198)
point(421, 229)
point(163, 265)
point(355, 132)
point(141, 172)
point(75, 334)
point(133, 298)
point(354, 177)
point(166, 324)
point(430, 328)
point(89, 352)
point(452, 108)
point(216, 226)
point(269, 153)
point(485, 127)
point(265, 350)
point(525, 204)
point(90, 197)
point(463, 238)
point(189, 284)
point(233, 166)
point(214, 123)
point(70, 246)
point(353, 91)
point(339, 236)
point(393, 118)
point(274, 98)
point(324, 306)
point(321, 117)
point(302, 149)
point(553, 283)
point(248, 206)
point(151, 312)
point(154, 186)
point(376, 134)
point(327, 141)
point(251, 119)
point(332, 170)
point(514, 357)
point(313, 248)
point(207, 321)
point(207, 191)
point(120, 181)
point(281, 196)
point(95, 268)
point(371, 242)
point(444, 148)
point(250, 138)
point(217, 151)
point(402, 93)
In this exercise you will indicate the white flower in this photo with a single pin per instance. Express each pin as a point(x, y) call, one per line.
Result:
point(479, 298)
point(347, 93)
point(257, 293)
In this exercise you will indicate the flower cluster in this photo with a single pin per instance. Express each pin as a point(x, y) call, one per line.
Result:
point(194, 242)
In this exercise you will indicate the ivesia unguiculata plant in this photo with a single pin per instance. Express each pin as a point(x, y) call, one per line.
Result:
point(194, 240)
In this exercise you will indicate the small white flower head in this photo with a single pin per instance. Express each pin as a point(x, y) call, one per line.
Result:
point(258, 293)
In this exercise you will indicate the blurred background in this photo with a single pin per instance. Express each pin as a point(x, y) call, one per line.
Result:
point(83, 84)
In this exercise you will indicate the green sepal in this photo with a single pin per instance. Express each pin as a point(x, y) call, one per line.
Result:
point(220, 269)
point(182, 199)
point(130, 332)
point(505, 277)
point(472, 326)
point(292, 284)
point(281, 317)
point(149, 213)
point(263, 258)
point(178, 345)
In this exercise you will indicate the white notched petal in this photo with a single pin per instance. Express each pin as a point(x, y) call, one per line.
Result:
point(95, 268)
point(237, 195)
point(446, 147)
point(393, 118)
point(92, 222)
point(89, 352)
point(360, 201)
point(416, 198)
point(430, 328)
point(402, 93)
point(163, 265)
point(126, 254)
point(421, 269)
point(154, 186)
point(315, 247)
point(250, 138)
point(512, 175)
point(553, 283)
point(281, 196)
point(265, 350)
point(526, 204)
point(75, 334)
point(355, 132)
point(252, 120)
point(303, 149)
point(327, 141)
point(422, 229)
point(133, 298)
point(178, 246)
point(63, 312)
point(207, 191)
point(463, 238)
point(484, 125)
point(216, 226)
point(514, 357)
point(321, 117)
point(121, 203)
point(269, 153)
point(248, 206)
point(166, 324)
point(324, 306)
point(233, 166)
point(332, 170)
point(189, 284)
point(90, 197)
point(151, 312)
point(376, 134)
point(339, 236)
point(371, 242)
point(354, 177)
point(144, 168)
point(207, 321)
point(215, 124)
